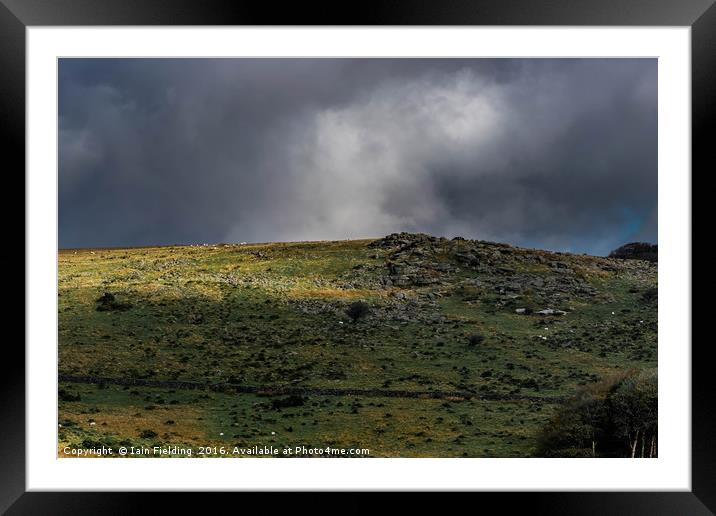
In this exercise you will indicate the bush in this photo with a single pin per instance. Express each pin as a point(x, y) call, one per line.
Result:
point(64, 395)
point(613, 418)
point(475, 340)
point(293, 400)
point(107, 302)
point(633, 408)
point(357, 310)
point(650, 295)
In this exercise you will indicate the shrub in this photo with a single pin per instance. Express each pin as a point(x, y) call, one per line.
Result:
point(64, 395)
point(357, 310)
point(616, 417)
point(475, 340)
point(650, 295)
point(633, 409)
point(293, 400)
point(107, 302)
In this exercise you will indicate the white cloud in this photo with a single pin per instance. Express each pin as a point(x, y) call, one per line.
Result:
point(365, 169)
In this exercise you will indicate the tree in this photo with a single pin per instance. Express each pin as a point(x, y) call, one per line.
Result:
point(616, 417)
point(633, 409)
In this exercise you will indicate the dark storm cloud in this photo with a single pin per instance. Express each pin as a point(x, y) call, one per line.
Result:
point(558, 154)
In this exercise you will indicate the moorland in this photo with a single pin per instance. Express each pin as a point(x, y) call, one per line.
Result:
point(409, 345)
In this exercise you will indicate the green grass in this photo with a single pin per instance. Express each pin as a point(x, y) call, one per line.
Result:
point(271, 314)
point(388, 427)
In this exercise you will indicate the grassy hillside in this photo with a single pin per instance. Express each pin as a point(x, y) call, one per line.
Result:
point(455, 317)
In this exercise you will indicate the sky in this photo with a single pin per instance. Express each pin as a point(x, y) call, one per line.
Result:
point(556, 154)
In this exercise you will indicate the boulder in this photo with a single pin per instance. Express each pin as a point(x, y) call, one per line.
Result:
point(550, 311)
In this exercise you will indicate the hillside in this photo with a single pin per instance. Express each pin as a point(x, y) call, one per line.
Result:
point(466, 349)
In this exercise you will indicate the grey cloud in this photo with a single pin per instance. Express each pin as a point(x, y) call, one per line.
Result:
point(551, 153)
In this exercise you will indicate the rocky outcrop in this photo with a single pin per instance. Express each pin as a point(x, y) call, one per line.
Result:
point(636, 251)
point(405, 240)
point(415, 271)
point(420, 260)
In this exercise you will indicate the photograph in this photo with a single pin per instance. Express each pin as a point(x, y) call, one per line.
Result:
point(313, 257)
point(454, 238)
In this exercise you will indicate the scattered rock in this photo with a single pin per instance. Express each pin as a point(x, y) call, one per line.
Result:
point(550, 311)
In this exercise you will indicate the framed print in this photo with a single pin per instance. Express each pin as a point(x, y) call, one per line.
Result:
point(434, 238)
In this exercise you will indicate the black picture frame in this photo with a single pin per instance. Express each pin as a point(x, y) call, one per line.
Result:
point(16, 15)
